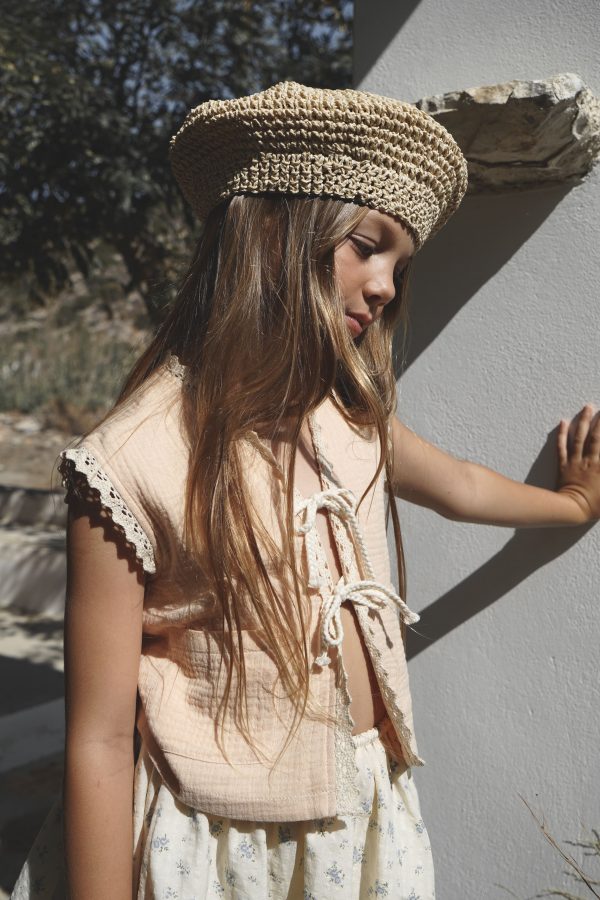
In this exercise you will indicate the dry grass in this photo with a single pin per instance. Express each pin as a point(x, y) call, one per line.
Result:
point(591, 850)
point(65, 376)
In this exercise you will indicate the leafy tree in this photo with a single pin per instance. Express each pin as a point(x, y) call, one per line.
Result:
point(92, 91)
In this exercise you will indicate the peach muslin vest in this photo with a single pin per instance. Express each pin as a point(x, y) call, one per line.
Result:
point(136, 464)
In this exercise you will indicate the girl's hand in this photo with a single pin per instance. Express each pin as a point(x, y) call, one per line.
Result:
point(579, 460)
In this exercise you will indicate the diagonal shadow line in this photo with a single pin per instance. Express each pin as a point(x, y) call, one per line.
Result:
point(528, 550)
point(486, 231)
point(523, 554)
point(373, 41)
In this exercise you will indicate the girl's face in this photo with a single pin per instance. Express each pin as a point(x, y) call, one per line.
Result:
point(365, 263)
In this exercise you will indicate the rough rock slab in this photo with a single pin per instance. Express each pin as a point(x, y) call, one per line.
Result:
point(32, 507)
point(522, 133)
point(32, 570)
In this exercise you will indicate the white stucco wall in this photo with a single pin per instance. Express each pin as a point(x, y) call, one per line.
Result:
point(505, 342)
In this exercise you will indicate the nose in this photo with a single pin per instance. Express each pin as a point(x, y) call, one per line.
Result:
point(380, 289)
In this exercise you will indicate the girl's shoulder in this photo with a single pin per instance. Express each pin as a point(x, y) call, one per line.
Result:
point(153, 406)
point(134, 462)
point(139, 429)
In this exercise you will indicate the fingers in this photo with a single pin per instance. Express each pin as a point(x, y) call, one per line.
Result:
point(563, 431)
point(581, 431)
point(585, 435)
point(594, 438)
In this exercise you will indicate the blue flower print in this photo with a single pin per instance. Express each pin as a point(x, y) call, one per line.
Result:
point(390, 831)
point(308, 895)
point(218, 889)
point(420, 826)
point(379, 889)
point(246, 849)
point(366, 805)
point(413, 896)
point(229, 876)
point(358, 855)
point(160, 843)
point(170, 894)
point(274, 877)
point(182, 867)
point(402, 851)
point(419, 870)
point(335, 874)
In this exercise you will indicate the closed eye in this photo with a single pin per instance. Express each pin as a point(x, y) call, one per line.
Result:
point(364, 250)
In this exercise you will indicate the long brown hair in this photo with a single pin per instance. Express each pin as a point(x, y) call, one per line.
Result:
point(258, 320)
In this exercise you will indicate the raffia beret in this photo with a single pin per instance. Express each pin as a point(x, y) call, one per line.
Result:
point(354, 145)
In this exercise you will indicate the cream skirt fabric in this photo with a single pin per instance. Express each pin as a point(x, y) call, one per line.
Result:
point(185, 855)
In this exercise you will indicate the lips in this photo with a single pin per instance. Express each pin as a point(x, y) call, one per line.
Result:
point(357, 322)
point(354, 325)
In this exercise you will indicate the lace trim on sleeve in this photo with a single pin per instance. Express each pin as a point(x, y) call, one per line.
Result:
point(81, 473)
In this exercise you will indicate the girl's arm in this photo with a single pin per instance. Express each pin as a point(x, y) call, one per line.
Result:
point(103, 627)
point(469, 492)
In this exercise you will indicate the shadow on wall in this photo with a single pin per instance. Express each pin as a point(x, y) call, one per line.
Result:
point(528, 550)
point(480, 238)
point(485, 232)
point(373, 41)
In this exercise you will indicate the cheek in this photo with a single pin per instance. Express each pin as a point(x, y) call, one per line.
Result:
point(345, 270)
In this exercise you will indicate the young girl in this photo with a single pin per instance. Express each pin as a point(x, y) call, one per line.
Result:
point(229, 598)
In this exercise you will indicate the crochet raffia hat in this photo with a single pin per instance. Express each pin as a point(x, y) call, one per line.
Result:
point(376, 151)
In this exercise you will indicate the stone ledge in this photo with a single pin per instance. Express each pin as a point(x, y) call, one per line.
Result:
point(33, 570)
point(522, 133)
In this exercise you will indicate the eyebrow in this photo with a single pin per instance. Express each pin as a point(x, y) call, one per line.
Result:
point(389, 229)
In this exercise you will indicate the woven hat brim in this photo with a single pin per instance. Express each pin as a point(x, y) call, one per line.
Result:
point(356, 146)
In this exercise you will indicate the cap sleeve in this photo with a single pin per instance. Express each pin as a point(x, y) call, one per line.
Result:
point(85, 477)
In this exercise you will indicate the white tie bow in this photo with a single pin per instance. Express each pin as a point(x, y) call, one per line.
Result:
point(340, 501)
point(367, 592)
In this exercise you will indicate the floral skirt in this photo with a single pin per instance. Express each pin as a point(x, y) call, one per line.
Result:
point(183, 854)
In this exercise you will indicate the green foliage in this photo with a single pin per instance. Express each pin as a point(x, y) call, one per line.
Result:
point(92, 90)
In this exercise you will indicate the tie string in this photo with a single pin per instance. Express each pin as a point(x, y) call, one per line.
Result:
point(366, 592)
